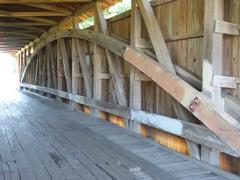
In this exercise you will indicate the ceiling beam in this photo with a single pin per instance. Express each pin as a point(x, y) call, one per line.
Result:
point(35, 29)
point(21, 24)
point(31, 14)
point(41, 1)
point(51, 8)
point(18, 33)
point(4, 29)
point(37, 19)
point(8, 43)
point(16, 38)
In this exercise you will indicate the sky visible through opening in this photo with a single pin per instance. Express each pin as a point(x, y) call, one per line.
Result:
point(8, 74)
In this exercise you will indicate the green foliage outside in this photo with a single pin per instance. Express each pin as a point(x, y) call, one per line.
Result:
point(119, 8)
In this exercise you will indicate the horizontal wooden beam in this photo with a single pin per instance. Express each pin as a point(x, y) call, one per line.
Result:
point(21, 24)
point(33, 14)
point(38, 19)
point(15, 38)
point(41, 1)
point(18, 34)
point(160, 2)
point(51, 8)
point(12, 44)
point(36, 29)
point(227, 28)
point(190, 131)
point(225, 81)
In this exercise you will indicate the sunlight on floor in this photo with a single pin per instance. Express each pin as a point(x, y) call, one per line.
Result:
point(8, 75)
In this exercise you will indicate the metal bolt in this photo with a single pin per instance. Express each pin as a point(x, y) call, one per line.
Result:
point(191, 107)
point(196, 100)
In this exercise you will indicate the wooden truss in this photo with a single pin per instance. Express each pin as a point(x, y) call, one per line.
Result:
point(225, 130)
point(184, 93)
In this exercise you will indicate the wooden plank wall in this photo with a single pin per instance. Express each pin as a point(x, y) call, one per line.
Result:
point(182, 24)
point(231, 58)
point(179, 19)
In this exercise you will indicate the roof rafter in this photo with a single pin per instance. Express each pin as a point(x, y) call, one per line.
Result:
point(50, 8)
point(31, 14)
point(41, 1)
point(16, 24)
point(37, 19)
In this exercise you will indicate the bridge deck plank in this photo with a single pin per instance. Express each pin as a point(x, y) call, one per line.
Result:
point(43, 139)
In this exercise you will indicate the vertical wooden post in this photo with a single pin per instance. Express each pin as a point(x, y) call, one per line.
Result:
point(75, 63)
point(49, 75)
point(135, 85)
point(59, 70)
point(20, 66)
point(39, 69)
point(212, 64)
point(97, 69)
point(25, 58)
point(53, 67)
point(36, 71)
point(82, 49)
point(44, 79)
point(66, 66)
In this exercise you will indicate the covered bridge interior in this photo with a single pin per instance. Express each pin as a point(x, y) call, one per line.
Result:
point(151, 93)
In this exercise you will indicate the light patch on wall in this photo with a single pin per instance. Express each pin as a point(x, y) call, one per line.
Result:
point(158, 121)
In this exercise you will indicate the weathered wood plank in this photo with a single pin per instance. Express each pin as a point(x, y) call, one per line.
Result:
point(81, 48)
point(66, 66)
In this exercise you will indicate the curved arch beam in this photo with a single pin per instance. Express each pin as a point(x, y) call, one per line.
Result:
point(222, 124)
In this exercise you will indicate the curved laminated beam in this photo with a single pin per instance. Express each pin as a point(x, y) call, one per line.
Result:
point(223, 125)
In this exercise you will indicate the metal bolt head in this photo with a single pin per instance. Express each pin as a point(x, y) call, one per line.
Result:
point(196, 100)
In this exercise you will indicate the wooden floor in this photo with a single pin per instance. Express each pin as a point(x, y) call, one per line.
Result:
point(43, 139)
